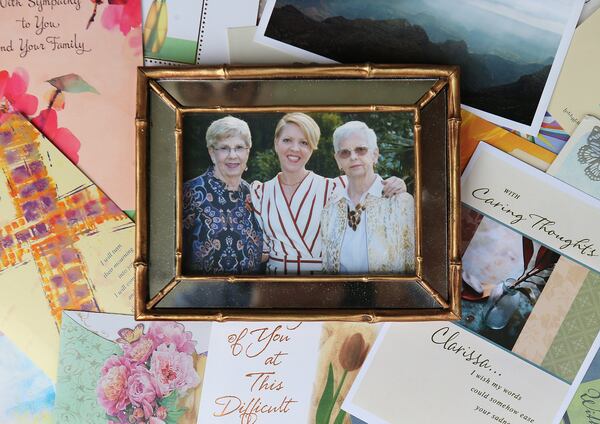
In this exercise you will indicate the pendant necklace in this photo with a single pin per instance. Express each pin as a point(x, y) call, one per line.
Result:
point(354, 216)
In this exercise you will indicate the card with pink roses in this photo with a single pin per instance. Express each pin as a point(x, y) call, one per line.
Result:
point(115, 370)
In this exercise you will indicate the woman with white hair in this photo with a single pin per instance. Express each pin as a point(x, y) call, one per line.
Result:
point(220, 231)
point(289, 206)
point(361, 230)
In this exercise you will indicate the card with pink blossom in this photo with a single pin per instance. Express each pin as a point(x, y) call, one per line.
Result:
point(115, 370)
point(70, 66)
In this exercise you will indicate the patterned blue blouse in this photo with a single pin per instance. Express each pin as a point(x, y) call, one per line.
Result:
point(220, 232)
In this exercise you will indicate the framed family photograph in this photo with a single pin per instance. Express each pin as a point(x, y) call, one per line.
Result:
point(298, 193)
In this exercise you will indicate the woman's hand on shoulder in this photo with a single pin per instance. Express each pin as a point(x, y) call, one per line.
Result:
point(256, 189)
point(393, 186)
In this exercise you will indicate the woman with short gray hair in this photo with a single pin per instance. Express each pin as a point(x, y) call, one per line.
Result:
point(220, 231)
point(361, 230)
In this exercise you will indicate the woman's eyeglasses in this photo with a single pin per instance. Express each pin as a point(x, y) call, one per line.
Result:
point(346, 153)
point(238, 150)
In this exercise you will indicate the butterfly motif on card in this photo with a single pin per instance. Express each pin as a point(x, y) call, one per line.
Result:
point(589, 154)
point(129, 336)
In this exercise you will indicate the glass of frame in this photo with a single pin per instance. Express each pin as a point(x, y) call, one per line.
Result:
point(262, 193)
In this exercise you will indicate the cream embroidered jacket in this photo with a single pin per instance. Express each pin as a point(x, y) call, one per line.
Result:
point(390, 233)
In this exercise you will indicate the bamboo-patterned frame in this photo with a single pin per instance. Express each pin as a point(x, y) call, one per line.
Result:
point(447, 79)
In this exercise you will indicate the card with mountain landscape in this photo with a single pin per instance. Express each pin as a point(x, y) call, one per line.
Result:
point(510, 52)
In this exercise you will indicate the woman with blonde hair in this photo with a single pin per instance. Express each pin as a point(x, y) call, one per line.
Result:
point(288, 207)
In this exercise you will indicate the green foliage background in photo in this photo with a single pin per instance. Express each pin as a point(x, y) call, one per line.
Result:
point(394, 130)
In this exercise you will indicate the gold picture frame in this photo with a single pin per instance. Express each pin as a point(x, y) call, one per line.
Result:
point(167, 97)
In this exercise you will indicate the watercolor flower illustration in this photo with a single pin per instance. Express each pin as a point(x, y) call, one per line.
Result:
point(172, 370)
point(351, 357)
point(140, 350)
point(63, 138)
point(13, 89)
point(353, 352)
point(125, 15)
point(122, 14)
point(146, 382)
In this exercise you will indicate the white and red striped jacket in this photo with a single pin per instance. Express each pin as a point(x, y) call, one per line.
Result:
point(292, 228)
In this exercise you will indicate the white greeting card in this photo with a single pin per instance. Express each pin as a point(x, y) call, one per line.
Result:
point(278, 372)
point(533, 203)
point(439, 372)
point(268, 365)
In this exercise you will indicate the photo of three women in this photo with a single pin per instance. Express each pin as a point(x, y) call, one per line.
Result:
point(298, 222)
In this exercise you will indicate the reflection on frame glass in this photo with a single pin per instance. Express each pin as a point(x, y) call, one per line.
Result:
point(298, 193)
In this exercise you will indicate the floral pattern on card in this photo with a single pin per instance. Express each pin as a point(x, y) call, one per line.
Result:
point(70, 67)
point(14, 95)
point(343, 349)
point(148, 379)
point(81, 354)
point(150, 374)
